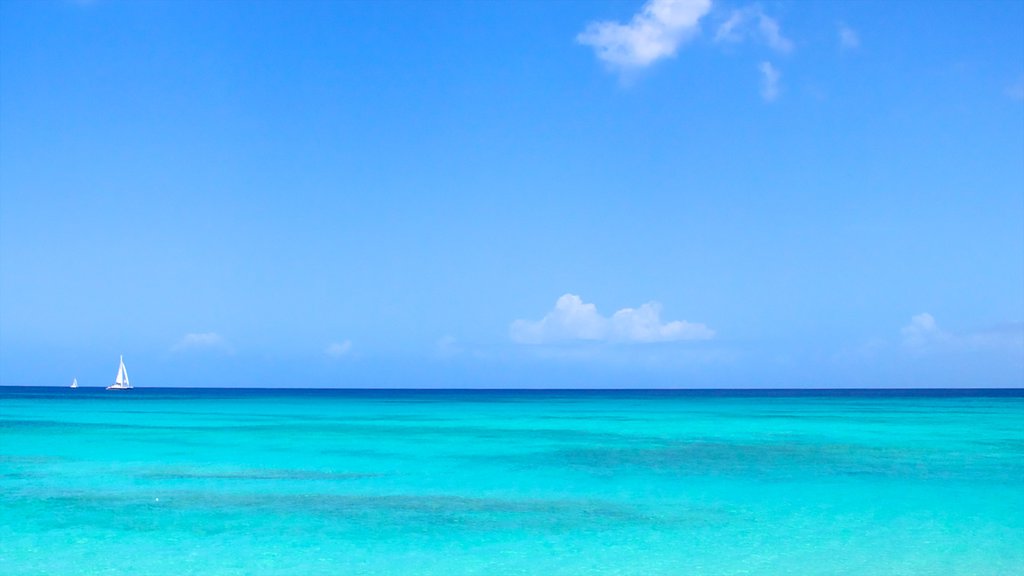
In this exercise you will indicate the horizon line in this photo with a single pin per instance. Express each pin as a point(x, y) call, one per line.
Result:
point(563, 389)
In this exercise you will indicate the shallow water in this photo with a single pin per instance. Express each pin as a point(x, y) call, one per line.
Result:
point(513, 482)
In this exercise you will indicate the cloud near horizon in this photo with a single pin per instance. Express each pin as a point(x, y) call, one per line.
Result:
point(924, 335)
point(201, 340)
point(654, 33)
point(574, 320)
point(339, 349)
point(922, 332)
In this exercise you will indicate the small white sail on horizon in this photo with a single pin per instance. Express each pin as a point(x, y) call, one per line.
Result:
point(74, 383)
point(121, 383)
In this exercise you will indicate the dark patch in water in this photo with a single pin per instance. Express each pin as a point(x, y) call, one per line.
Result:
point(366, 515)
point(33, 459)
point(406, 432)
point(271, 474)
point(360, 452)
point(22, 475)
point(771, 461)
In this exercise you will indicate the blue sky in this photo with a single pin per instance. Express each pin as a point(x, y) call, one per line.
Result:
point(536, 194)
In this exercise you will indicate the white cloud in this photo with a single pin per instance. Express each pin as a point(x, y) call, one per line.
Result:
point(752, 22)
point(848, 38)
point(643, 324)
point(654, 33)
point(572, 319)
point(200, 340)
point(339, 349)
point(922, 332)
point(769, 81)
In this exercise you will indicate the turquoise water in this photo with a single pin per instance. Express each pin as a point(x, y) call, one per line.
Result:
point(355, 482)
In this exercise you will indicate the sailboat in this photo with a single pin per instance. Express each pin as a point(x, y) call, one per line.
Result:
point(74, 383)
point(121, 383)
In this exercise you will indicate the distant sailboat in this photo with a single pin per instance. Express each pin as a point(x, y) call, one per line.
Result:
point(74, 383)
point(121, 383)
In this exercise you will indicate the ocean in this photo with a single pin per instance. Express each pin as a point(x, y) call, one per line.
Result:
point(309, 482)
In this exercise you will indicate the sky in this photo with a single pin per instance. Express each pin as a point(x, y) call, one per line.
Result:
point(687, 193)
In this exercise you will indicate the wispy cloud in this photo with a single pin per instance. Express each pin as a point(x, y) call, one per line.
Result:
point(848, 38)
point(772, 35)
point(448, 346)
point(573, 319)
point(654, 33)
point(1005, 336)
point(752, 23)
point(339, 349)
point(1016, 90)
point(923, 335)
point(769, 81)
point(201, 340)
point(729, 31)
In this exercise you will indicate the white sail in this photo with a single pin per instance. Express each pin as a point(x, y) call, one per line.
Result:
point(121, 382)
point(74, 383)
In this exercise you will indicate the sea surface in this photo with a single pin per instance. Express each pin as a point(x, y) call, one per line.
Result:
point(277, 482)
